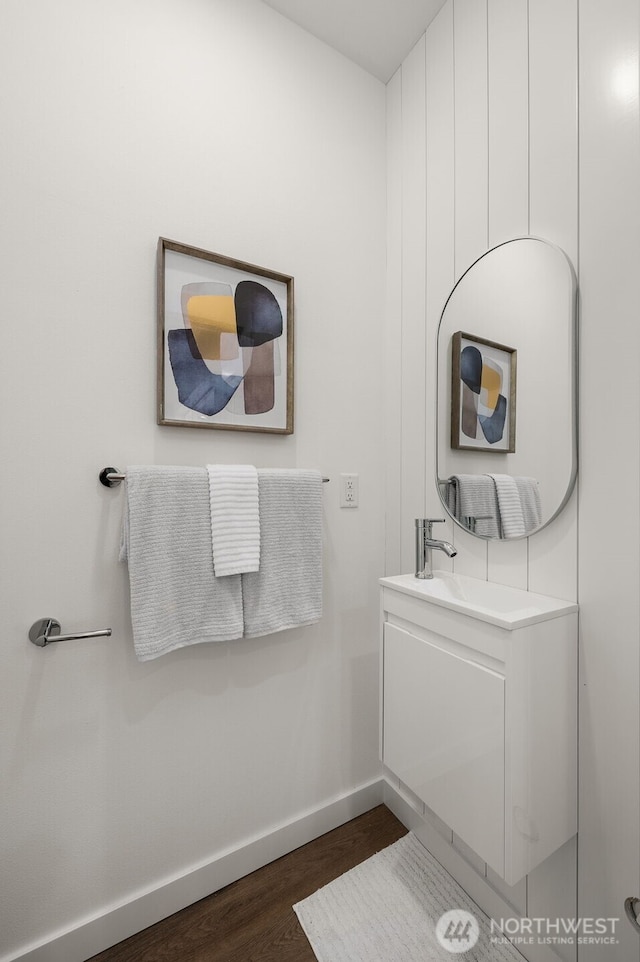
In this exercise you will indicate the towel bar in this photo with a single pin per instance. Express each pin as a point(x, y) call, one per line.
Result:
point(111, 477)
point(46, 630)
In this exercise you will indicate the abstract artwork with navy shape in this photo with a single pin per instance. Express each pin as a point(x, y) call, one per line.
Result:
point(483, 394)
point(225, 342)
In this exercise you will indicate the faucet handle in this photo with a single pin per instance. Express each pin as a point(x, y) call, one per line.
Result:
point(424, 524)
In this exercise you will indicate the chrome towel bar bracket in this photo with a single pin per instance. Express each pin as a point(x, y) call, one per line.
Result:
point(111, 477)
point(46, 630)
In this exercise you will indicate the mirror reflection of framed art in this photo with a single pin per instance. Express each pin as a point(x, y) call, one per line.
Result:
point(483, 394)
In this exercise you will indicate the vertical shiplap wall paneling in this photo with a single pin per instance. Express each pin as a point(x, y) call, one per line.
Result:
point(552, 894)
point(393, 328)
point(553, 212)
point(553, 132)
point(553, 79)
point(508, 211)
point(508, 71)
point(413, 237)
point(471, 131)
point(440, 226)
point(471, 165)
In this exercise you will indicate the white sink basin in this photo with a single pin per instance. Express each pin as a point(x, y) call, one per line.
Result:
point(498, 604)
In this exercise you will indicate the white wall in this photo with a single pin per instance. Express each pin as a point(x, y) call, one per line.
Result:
point(221, 125)
point(513, 117)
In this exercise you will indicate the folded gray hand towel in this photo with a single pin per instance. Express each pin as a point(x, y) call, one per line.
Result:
point(287, 590)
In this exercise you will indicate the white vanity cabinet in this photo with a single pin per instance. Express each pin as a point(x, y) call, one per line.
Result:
point(479, 712)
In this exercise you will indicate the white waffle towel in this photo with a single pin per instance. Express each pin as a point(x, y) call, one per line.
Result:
point(529, 491)
point(235, 518)
point(511, 516)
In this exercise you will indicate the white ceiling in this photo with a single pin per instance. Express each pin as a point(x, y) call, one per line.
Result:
point(377, 34)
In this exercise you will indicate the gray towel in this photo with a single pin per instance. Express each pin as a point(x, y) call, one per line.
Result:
point(175, 599)
point(473, 496)
point(529, 491)
point(511, 516)
point(287, 590)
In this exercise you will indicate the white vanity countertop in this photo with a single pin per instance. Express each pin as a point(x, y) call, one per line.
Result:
point(497, 604)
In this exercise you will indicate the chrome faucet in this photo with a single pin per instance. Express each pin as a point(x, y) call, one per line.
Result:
point(425, 544)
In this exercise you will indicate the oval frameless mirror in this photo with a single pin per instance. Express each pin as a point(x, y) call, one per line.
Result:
point(506, 440)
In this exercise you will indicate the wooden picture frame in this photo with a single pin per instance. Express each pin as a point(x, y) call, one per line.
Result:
point(224, 342)
point(483, 394)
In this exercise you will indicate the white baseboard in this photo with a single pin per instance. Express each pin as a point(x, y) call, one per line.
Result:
point(116, 923)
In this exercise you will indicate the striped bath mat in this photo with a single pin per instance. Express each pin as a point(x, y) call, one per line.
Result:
point(399, 906)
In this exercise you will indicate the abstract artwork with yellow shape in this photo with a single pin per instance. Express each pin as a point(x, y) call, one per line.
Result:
point(483, 382)
point(224, 326)
point(209, 317)
point(490, 386)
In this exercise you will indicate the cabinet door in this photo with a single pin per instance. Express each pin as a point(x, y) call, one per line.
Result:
point(443, 736)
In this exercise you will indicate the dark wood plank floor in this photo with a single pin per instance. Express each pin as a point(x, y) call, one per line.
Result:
point(252, 920)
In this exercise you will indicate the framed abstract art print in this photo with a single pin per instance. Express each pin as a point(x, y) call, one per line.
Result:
point(483, 394)
point(225, 342)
